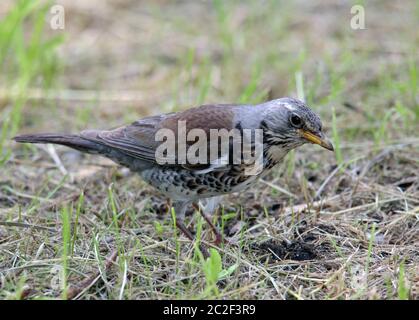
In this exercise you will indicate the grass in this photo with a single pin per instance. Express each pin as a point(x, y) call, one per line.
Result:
point(66, 236)
point(327, 226)
point(27, 55)
point(336, 139)
point(402, 290)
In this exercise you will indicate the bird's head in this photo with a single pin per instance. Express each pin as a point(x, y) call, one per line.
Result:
point(289, 123)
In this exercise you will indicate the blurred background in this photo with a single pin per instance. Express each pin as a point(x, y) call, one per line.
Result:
point(116, 61)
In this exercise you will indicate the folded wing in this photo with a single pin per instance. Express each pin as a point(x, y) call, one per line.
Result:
point(138, 139)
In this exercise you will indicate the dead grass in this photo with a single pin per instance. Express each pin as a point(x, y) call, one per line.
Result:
point(350, 229)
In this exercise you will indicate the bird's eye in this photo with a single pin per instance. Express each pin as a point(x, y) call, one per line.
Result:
point(296, 121)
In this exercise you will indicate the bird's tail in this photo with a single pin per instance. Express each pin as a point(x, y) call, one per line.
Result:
point(69, 140)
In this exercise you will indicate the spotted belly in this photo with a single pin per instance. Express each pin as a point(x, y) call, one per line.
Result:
point(185, 184)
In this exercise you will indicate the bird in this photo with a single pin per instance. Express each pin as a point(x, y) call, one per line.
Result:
point(281, 124)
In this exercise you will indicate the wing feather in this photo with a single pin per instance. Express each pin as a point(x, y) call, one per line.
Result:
point(138, 139)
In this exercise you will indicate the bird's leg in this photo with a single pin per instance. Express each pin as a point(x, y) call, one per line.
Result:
point(206, 211)
point(180, 209)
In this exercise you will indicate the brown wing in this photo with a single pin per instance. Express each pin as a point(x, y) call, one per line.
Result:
point(138, 138)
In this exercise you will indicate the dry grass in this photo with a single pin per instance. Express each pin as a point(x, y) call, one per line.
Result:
point(349, 231)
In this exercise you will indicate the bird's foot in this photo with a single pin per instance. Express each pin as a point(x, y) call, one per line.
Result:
point(181, 226)
point(219, 237)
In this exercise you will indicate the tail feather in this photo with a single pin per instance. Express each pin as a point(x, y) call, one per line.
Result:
point(69, 140)
point(86, 143)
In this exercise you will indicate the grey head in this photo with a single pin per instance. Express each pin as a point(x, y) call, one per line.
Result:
point(290, 123)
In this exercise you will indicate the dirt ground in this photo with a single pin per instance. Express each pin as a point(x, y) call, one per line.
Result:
point(321, 226)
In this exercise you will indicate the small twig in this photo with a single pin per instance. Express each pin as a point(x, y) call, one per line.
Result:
point(405, 215)
point(24, 195)
point(325, 182)
point(314, 205)
point(25, 225)
point(362, 206)
point(51, 203)
point(53, 154)
point(75, 291)
point(278, 188)
point(367, 167)
point(335, 274)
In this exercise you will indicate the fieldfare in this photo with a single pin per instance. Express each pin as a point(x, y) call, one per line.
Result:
point(192, 155)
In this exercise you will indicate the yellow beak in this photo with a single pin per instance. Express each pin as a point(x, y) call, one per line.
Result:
point(322, 141)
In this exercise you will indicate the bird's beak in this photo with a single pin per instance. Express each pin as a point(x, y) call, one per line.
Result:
point(320, 140)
